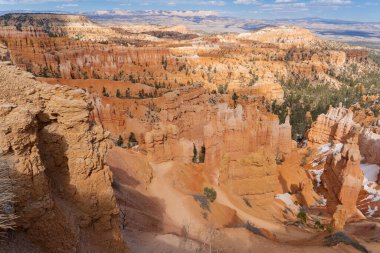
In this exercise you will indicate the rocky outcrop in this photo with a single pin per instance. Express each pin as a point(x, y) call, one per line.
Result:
point(253, 177)
point(343, 181)
point(369, 143)
point(281, 35)
point(64, 197)
point(66, 58)
point(188, 117)
point(336, 125)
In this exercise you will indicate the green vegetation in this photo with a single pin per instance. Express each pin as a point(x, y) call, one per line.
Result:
point(253, 229)
point(119, 141)
point(247, 202)
point(105, 93)
point(302, 97)
point(128, 93)
point(202, 155)
point(302, 216)
point(341, 237)
point(152, 113)
point(254, 79)
point(118, 94)
point(375, 56)
point(210, 193)
point(7, 212)
point(223, 89)
point(203, 201)
point(319, 225)
point(235, 97)
point(132, 141)
point(199, 158)
point(195, 153)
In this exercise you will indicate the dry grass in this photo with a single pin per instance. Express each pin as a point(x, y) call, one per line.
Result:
point(7, 215)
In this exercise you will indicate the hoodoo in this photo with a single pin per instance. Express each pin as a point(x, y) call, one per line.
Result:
point(124, 136)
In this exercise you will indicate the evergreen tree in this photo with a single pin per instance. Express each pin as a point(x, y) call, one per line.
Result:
point(120, 141)
point(118, 94)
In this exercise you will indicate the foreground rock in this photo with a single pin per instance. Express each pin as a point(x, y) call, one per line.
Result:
point(62, 188)
point(343, 181)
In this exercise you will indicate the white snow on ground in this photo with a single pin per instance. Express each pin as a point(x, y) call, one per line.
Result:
point(323, 201)
point(324, 148)
point(317, 162)
point(371, 211)
point(327, 147)
point(317, 175)
point(371, 172)
point(372, 135)
point(337, 148)
point(287, 199)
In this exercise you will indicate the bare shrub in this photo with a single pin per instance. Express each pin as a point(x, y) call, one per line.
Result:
point(7, 215)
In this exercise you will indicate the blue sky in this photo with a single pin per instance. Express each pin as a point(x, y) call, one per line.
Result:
point(359, 10)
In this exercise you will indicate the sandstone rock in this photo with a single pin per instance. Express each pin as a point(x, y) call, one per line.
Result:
point(343, 181)
point(64, 196)
point(369, 143)
point(286, 35)
point(254, 176)
point(335, 125)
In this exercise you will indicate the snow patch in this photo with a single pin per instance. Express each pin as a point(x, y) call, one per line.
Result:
point(371, 171)
point(287, 199)
point(322, 201)
point(371, 212)
point(337, 148)
point(317, 175)
point(324, 148)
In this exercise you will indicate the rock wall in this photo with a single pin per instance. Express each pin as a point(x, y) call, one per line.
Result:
point(66, 58)
point(253, 176)
point(343, 181)
point(336, 124)
point(369, 143)
point(63, 189)
point(187, 117)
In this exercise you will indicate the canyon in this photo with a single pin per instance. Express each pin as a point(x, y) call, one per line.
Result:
point(144, 138)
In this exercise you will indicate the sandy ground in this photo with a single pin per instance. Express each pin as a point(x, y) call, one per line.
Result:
point(163, 219)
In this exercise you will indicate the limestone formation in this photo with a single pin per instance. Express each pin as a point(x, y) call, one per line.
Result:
point(335, 125)
point(369, 143)
point(65, 201)
point(343, 181)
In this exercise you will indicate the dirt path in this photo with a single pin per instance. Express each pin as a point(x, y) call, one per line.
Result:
point(223, 199)
point(175, 203)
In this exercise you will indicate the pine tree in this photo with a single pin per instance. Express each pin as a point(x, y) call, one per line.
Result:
point(118, 94)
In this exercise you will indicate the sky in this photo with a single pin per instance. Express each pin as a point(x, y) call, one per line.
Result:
point(356, 10)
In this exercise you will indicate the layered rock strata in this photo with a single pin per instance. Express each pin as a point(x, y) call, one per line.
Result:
point(64, 197)
point(343, 181)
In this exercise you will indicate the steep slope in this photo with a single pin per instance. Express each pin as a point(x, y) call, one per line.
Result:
point(347, 141)
point(63, 193)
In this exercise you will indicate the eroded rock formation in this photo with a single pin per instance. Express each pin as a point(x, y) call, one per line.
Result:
point(336, 125)
point(343, 181)
point(64, 197)
point(369, 143)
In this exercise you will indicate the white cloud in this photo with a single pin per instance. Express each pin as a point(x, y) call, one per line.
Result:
point(246, 2)
point(333, 2)
point(62, 6)
point(32, 1)
point(214, 3)
point(284, 1)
